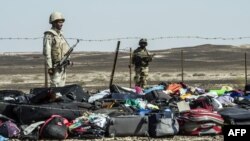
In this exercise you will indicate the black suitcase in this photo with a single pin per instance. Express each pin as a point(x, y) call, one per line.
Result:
point(27, 114)
point(129, 125)
point(235, 116)
point(70, 93)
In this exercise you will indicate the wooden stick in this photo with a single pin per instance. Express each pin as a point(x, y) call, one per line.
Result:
point(114, 64)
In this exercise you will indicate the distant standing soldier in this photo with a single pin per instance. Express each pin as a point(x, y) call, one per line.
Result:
point(54, 48)
point(140, 60)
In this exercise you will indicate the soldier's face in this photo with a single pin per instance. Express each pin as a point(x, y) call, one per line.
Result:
point(143, 45)
point(58, 24)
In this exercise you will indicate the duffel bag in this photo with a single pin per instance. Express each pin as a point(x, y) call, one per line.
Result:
point(70, 93)
point(33, 113)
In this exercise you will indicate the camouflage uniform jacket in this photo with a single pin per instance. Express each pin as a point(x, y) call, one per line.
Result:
point(54, 47)
point(141, 57)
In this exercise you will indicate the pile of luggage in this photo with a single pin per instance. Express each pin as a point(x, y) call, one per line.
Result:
point(164, 110)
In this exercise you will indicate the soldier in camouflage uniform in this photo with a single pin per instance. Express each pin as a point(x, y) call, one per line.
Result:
point(140, 60)
point(54, 48)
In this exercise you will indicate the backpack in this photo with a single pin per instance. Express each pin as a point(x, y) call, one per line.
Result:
point(9, 129)
point(54, 128)
point(91, 126)
point(202, 102)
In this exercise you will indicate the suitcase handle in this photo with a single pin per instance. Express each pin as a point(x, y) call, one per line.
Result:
point(144, 120)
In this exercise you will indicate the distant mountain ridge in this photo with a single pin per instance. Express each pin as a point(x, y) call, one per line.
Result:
point(244, 47)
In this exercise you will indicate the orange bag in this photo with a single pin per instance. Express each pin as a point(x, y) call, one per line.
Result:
point(174, 88)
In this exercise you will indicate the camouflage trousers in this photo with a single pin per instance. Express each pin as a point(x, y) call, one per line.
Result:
point(58, 79)
point(141, 76)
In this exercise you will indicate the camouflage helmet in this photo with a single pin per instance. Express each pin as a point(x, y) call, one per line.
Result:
point(143, 40)
point(56, 16)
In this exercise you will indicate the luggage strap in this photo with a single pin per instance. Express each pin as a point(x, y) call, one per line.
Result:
point(140, 126)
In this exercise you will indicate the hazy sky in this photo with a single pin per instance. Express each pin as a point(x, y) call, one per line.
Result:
point(101, 19)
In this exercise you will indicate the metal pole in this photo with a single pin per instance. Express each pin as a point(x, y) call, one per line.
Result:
point(182, 66)
point(246, 68)
point(114, 64)
point(130, 69)
point(45, 75)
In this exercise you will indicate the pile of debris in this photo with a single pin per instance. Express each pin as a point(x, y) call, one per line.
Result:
point(163, 110)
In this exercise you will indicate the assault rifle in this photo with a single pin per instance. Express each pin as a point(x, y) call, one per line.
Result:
point(65, 60)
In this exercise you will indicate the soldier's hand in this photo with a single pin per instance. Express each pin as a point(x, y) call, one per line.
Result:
point(51, 71)
point(70, 63)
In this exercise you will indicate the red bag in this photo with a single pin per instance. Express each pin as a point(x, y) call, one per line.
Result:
point(193, 128)
point(200, 122)
point(203, 115)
